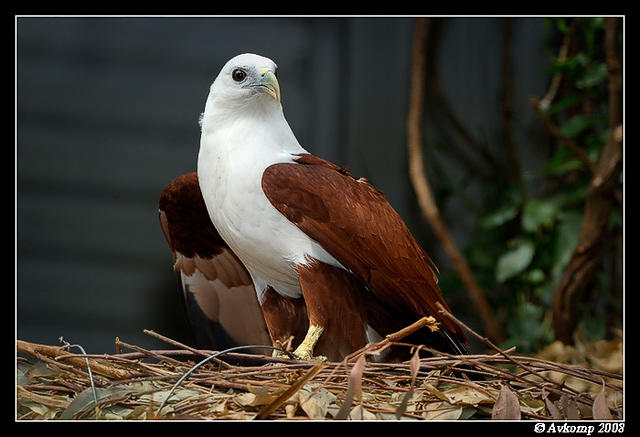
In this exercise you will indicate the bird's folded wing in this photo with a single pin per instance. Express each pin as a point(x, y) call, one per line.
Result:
point(219, 295)
point(354, 222)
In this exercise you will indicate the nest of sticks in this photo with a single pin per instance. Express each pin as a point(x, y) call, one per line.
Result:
point(184, 383)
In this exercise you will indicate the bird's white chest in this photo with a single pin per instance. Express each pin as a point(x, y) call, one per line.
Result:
point(267, 243)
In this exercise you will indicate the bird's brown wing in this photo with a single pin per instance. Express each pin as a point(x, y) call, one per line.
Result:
point(354, 222)
point(219, 295)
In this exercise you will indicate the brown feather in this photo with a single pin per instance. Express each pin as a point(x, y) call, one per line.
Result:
point(286, 318)
point(354, 222)
point(333, 300)
point(221, 301)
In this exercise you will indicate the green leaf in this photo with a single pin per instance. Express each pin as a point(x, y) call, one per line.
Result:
point(535, 276)
point(566, 241)
point(564, 103)
point(563, 160)
point(575, 125)
point(593, 76)
point(499, 216)
point(515, 261)
point(525, 327)
point(538, 213)
point(562, 26)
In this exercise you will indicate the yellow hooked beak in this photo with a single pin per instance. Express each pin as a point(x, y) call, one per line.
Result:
point(269, 84)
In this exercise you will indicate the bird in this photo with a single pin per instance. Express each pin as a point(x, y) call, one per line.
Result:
point(333, 265)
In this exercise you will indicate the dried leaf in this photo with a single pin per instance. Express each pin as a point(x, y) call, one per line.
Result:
point(434, 391)
point(569, 407)
point(293, 389)
point(38, 369)
point(531, 405)
point(600, 408)
point(158, 397)
point(255, 397)
point(116, 412)
point(442, 411)
point(314, 401)
point(85, 401)
point(44, 412)
point(360, 413)
point(467, 395)
point(467, 412)
point(21, 369)
point(138, 413)
point(356, 377)
point(552, 408)
point(507, 406)
point(414, 365)
point(354, 388)
point(50, 401)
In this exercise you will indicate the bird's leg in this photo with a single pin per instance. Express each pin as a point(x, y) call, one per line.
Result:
point(286, 320)
point(336, 315)
point(304, 351)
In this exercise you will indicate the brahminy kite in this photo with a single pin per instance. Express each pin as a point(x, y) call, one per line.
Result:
point(331, 263)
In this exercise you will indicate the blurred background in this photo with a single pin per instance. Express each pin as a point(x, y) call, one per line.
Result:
point(107, 115)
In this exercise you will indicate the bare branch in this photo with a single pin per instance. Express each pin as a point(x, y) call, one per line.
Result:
point(421, 185)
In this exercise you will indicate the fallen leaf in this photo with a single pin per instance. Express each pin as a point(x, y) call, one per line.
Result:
point(507, 406)
point(314, 401)
point(255, 397)
point(116, 412)
point(290, 410)
point(360, 413)
point(85, 401)
point(414, 365)
point(138, 413)
point(293, 389)
point(157, 397)
point(44, 412)
point(442, 411)
point(434, 391)
point(38, 369)
point(600, 408)
point(354, 388)
point(552, 408)
point(532, 405)
point(569, 407)
point(467, 412)
point(467, 395)
point(356, 377)
point(53, 401)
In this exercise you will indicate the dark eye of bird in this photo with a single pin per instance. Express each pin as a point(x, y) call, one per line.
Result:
point(238, 75)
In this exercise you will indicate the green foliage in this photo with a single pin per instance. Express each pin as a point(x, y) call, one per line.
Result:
point(525, 239)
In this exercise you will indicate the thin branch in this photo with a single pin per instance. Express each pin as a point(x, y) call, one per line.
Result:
point(557, 77)
point(421, 185)
point(553, 130)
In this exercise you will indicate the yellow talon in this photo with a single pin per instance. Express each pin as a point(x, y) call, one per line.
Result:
point(304, 351)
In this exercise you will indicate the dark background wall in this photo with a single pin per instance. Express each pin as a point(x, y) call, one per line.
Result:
point(107, 112)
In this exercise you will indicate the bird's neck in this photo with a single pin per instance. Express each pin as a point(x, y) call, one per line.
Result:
point(260, 129)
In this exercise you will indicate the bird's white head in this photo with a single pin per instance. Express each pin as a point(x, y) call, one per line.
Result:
point(244, 106)
point(246, 79)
